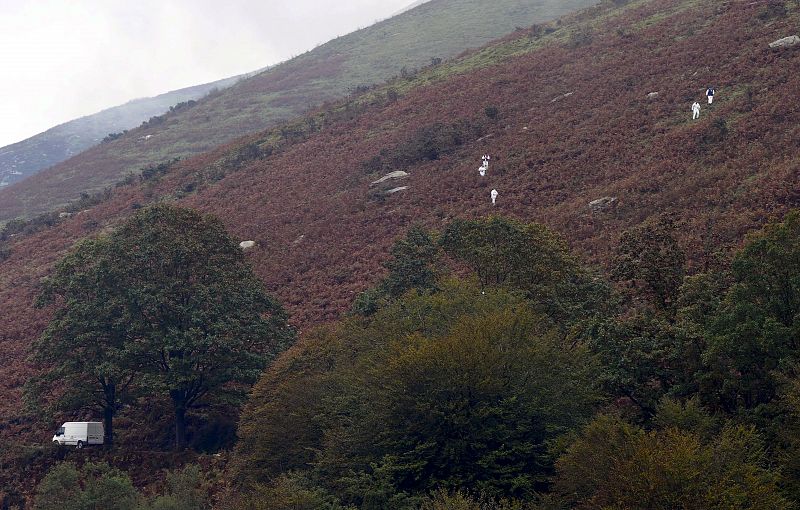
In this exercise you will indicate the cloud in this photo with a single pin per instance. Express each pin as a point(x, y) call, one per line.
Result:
point(66, 58)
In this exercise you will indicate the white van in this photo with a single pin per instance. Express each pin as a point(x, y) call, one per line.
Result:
point(79, 433)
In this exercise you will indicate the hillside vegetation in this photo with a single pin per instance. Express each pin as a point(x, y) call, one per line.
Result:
point(566, 112)
point(435, 30)
point(25, 158)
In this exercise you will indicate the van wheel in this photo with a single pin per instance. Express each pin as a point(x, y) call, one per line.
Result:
point(56, 443)
point(79, 445)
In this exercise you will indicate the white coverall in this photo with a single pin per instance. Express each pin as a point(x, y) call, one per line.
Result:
point(695, 111)
point(494, 196)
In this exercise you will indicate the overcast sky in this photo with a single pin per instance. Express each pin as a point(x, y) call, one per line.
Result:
point(62, 59)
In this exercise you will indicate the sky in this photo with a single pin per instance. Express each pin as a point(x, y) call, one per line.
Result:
point(63, 59)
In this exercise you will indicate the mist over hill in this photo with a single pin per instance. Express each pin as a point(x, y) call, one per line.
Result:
point(23, 159)
point(435, 30)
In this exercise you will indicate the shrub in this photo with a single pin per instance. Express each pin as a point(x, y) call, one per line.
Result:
point(94, 486)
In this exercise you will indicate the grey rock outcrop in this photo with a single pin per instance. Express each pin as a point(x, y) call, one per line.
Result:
point(601, 204)
point(399, 174)
point(396, 190)
point(786, 42)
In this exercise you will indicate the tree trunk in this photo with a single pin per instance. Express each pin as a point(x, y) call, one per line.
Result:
point(108, 426)
point(180, 427)
point(109, 409)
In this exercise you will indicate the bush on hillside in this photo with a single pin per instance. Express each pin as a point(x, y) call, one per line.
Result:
point(94, 486)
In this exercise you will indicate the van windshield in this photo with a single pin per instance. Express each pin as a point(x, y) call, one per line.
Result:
point(60, 431)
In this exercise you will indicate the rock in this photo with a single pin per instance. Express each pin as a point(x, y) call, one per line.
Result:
point(786, 42)
point(396, 190)
point(399, 174)
point(564, 96)
point(601, 204)
point(652, 95)
point(246, 245)
point(65, 215)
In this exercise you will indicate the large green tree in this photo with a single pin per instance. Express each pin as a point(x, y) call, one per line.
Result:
point(177, 303)
point(755, 333)
point(87, 346)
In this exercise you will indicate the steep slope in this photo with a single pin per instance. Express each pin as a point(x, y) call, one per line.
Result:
point(25, 158)
point(563, 110)
point(440, 29)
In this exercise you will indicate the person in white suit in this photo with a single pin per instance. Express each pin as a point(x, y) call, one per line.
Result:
point(695, 111)
point(494, 196)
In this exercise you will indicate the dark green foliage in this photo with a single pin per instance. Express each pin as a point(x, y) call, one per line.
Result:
point(428, 143)
point(531, 258)
point(460, 411)
point(773, 9)
point(756, 330)
point(412, 265)
point(454, 389)
point(288, 492)
point(97, 486)
point(650, 258)
point(93, 487)
point(153, 172)
point(114, 136)
point(87, 342)
point(185, 490)
point(641, 358)
point(582, 36)
point(615, 465)
point(167, 298)
point(202, 321)
point(491, 112)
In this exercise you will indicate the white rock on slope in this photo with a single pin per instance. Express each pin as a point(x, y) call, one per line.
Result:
point(786, 42)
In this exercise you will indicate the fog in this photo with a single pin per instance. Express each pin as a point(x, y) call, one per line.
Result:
point(63, 59)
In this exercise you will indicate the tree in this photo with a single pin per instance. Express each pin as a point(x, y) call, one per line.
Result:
point(531, 258)
point(171, 294)
point(650, 255)
point(87, 342)
point(612, 464)
point(413, 266)
point(755, 333)
point(475, 409)
point(185, 490)
point(204, 325)
point(412, 263)
point(456, 388)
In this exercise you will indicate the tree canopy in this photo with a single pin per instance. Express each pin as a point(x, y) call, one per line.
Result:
point(167, 298)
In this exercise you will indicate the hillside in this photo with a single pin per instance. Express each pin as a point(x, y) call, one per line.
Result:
point(438, 29)
point(563, 109)
point(26, 158)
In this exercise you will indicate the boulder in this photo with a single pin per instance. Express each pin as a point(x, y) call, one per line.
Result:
point(64, 215)
point(786, 42)
point(246, 245)
point(652, 95)
point(601, 204)
point(563, 96)
point(396, 190)
point(399, 174)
